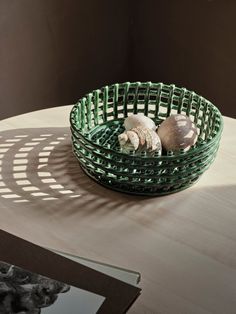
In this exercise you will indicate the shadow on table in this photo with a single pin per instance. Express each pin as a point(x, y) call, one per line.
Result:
point(39, 170)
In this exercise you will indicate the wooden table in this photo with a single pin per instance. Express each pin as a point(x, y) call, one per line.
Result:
point(183, 244)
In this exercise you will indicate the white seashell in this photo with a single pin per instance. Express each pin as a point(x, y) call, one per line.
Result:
point(153, 142)
point(141, 139)
point(128, 140)
point(134, 139)
point(177, 132)
point(123, 138)
point(148, 139)
point(139, 120)
point(156, 142)
point(141, 134)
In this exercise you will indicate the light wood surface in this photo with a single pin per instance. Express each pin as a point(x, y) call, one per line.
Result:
point(183, 244)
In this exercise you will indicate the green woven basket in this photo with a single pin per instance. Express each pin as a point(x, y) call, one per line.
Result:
point(97, 119)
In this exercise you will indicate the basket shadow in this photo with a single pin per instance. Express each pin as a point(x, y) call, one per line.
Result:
point(43, 189)
point(66, 169)
point(40, 172)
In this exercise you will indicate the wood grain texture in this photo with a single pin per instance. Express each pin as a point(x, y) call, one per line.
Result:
point(183, 244)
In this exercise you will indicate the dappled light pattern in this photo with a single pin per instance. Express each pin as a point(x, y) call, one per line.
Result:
point(39, 170)
point(25, 173)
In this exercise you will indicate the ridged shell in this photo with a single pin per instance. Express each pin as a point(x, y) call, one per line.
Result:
point(156, 142)
point(148, 139)
point(141, 134)
point(134, 139)
point(128, 140)
point(142, 139)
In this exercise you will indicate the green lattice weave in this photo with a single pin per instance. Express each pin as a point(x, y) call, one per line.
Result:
point(97, 119)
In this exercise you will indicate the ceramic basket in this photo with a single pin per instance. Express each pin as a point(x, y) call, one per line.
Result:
point(97, 119)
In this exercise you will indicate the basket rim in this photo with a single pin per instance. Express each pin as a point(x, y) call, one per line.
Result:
point(204, 146)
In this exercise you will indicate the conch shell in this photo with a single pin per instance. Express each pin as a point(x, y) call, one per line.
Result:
point(139, 120)
point(140, 139)
point(129, 140)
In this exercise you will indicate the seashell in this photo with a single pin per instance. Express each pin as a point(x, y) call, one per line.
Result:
point(153, 142)
point(128, 140)
point(148, 139)
point(141, 139)
point(139, 120)
point(156, 142)
point(141, 134)
point(177, 132)
point(123, 138)
point(133, 138)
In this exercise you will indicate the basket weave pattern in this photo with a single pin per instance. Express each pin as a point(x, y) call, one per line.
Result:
point(97, 119)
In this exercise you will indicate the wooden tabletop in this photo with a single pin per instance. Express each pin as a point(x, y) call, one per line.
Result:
point(183, 244)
